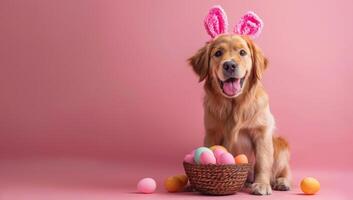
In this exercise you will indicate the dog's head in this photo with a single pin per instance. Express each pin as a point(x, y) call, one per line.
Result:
point(231, 63)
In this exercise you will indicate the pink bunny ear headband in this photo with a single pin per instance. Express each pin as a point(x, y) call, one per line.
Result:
point(216, 23)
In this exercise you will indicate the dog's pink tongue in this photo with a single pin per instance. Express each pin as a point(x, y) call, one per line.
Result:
point(231, 88)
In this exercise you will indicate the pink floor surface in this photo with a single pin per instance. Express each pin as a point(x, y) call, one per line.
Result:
point(91, 180)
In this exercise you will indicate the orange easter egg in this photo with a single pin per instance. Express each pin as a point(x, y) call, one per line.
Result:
point(241, 159)
point(310, 185)
point(174, 184)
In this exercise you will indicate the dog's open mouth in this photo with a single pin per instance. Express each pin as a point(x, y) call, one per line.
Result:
point(232, 86)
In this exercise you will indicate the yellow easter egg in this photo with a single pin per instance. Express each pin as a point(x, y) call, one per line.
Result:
point(173, 184)
point(310, 185)
point(214, 147)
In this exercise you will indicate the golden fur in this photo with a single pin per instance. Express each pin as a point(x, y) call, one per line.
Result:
point(242, 123)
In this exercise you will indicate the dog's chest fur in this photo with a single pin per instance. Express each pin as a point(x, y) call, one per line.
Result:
point(224, 117)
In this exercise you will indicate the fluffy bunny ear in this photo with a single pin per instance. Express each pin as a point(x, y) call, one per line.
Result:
point(216, 21)
point(250, 24)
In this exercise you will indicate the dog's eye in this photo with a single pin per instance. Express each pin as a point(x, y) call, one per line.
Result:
point(242, 52)
point(218, 53)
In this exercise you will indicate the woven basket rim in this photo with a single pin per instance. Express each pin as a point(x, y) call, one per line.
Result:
point(223, 165)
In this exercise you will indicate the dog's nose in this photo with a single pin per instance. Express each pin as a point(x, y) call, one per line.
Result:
point(229, 68)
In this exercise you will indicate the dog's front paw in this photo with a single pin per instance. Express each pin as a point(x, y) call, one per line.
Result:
point(261, 189)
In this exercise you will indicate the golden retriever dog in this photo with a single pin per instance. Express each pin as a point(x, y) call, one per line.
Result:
point(236, 109)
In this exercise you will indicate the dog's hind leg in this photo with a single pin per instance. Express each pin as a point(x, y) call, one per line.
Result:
point(281, 174)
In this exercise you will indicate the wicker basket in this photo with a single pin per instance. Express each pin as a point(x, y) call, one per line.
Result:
point(217, 179)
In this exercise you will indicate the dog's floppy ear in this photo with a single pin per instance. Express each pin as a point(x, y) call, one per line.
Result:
point(200, 62)
point(259, 61)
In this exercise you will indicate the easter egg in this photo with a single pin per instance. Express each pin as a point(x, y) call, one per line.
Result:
point(189, 158)
point(226, 159)
point(198, 152)
point(241, 159)
point(310, 185)
point(214, 147)
point(146, 185)
point(207, 158)
point(217, 154)
point(174, 183)
point(183, 178)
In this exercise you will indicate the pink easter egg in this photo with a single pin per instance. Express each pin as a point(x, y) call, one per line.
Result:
point(226, 159)
point(146, 185)
point(207, 158)
point(189, 158)
point(217, 154)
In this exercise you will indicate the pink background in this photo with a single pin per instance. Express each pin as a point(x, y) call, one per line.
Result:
point(107, 81)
